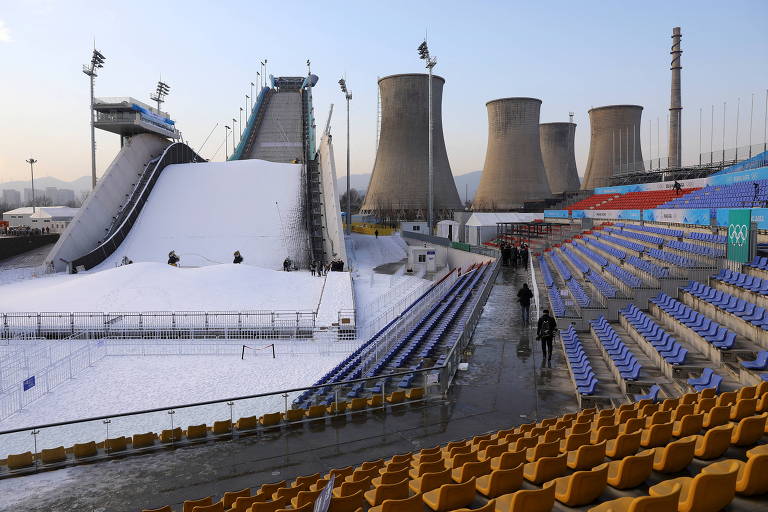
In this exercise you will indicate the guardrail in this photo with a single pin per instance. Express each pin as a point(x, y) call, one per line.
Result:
point(438, 240)
point(176, 153)
point(255, 116)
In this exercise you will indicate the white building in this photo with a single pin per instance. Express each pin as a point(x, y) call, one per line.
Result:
point(55, 218)
point(11, 197)
point(448, 229)
point(481, 226)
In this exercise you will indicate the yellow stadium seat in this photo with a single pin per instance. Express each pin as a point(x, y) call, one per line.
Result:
point(689, 398)
point(587, 456)
point(52, 455)
point(271, 506)
point(632, 425)
point(753, 475)
point(626, 415)
point(647, 410)
point(704, 405)
point(470, 470)
point(390, 467)
point(307, 480)
point(337, 407)
point(526, 427)
point(412, 504)
point(213, 507)
point(579, 428)
point(623, 445)
point(450, 496)
point(143, 440)
point(604, 433)
point(84, 450)
point(499, 482)
point(761, 389)
point(390, 477)
point(289, 492)
point(403, 457)
point(508, 460)
point(573, 441)
point(682, 410)
point(430, 481)
point(293, 414)
point(315, 411)
point(743, 408)
point(116, 444)
point(421, 458)
point(166, 508)
point(222, 427)
point(189, 505)
point(243, 504)
point(710, 490)
point(539, 500)
point(537, 431)
point(320, 484)
point(501, 434)
point(658, 417)
point(707, 393)
point(543, 450)
point(247, 423)
point(362, 474)
point(660, 503)
point(396, 397)
point(553, 434)
point(460, 459)
point(762, 404)
point(670, 404)
point(270, 489)
point(168, 435)
point(746, 392)
point(305, 497)
point(196, 431)
point(427, 467)
point(372, 464)
point(488, 507)
point(347, 503)
point(630, 471)
point(396, 491)
point(718, 415)
point(761, 449)
point(714, 442)
point(20, 460)
point(546, 422)
point(580, 488)
point(525, 442)
point(415, 394)
point(726, 398)
point(674, 456)
point(492, 451)
point(357, 404)
point(749, 430)
point(456, 450)
point(349, 488)
point(545, 469)
point(375, 401)
point(340, 473)
point(688, 425)
point(656, 435)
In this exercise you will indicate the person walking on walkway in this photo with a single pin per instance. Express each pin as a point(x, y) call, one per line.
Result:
point(545, 332)
point(513, 255)
point(524, 297)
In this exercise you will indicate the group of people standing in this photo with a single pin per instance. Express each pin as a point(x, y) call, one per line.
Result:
point(335, 265)
point(512, 255)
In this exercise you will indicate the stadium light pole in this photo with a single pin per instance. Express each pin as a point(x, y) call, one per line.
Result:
point(430, 63)
point(32, 162)
point(241, 123)
point(97, 62)
point(226, 139)
point(247, 110)
point(161, 91)
point(348, 97)
point(234, 122)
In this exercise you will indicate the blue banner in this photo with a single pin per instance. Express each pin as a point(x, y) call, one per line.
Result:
point(698, 216)
point(557, 214)
point(29, 383)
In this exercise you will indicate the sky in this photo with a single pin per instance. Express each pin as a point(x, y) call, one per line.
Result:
point(571, 55)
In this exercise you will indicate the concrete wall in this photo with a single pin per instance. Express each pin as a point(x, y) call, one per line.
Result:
point(559, 157)
point(514, 170)
point(399, 181)
point(14, 245)
point(614, 144)
point(89, 226)
point(333, 230)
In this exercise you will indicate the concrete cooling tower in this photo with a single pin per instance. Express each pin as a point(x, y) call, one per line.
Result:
point(514, 171)
point(399, 182)
point(614, 146)
point(559, 158)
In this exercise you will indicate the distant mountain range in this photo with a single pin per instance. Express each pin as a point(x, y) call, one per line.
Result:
point(78, 185)
point(465, 183)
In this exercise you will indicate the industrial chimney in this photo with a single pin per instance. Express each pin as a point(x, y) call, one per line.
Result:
point(614, 146)
point(399, 182)
point(514, 171)
point(558, 155)
point(675, 104)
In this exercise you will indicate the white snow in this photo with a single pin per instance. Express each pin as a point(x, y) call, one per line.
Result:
point(120, 384)
point(206, 211)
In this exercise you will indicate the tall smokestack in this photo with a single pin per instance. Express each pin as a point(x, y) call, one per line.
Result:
point(399, 181)
point(675, 104)
point(558, 155)
point(514, 171)
point(614, 145)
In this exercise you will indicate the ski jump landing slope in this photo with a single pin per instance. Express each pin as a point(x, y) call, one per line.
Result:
point(207, 211)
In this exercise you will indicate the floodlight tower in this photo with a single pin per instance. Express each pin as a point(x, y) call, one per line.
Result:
point(348, 97)
point(97, 62)
point(160, 93)
point(226, 140)
point(32, 162)
point(430, 62)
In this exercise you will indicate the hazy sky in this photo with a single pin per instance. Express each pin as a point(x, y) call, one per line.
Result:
point(572, 55)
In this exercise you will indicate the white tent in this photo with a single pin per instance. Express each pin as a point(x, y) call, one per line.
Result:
point(481, 226)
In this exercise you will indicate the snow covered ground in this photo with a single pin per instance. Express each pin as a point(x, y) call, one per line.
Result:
point(120, 384)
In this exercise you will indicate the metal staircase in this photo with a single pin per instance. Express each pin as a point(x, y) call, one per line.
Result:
point(313, 197)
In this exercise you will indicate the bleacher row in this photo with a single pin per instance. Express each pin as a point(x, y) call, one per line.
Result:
point(662, 342)
point(697, 452)
point(423, 338)
point(577, 291)
point(600, 283)
point(702, 250)
point(556, 301)
point(751, 283)
point(642, 200)
point(747, 311)
point(622, 274)
point(624, 361)
point(709, 330)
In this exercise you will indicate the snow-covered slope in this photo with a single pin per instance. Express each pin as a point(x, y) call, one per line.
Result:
point(207, 211)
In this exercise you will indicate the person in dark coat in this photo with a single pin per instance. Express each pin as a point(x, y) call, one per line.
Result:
point(545, 331)
point(524, 255)
point(524, 297)
point(173, 259)
point(513, 255)
point(287, 265)
point(506, 254)
point(238, 258)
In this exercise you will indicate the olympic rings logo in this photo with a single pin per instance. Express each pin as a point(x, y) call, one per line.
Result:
point(737, 234)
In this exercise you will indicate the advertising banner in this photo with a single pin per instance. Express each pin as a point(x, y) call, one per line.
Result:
point(557, 214)
point(739, 222)
point(721, 179)
point(610, 214)
point(698, 216)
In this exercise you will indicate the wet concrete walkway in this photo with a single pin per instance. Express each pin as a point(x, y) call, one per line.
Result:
point(506, 384)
